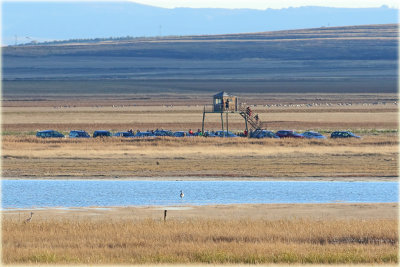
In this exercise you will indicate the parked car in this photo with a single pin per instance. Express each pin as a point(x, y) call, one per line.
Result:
point(78, 134)
point(209, 134)
point(144, 134)
point(163, 133)
point(49, 134)
point(344, 134)
point(180, 134)
point(101, 133)
point(264, 134)
point(313, 135)
point(225, 134)
point(288, 134)
point(197, 134)
point(124, 134)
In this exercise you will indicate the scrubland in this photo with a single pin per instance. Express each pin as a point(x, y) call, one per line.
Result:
point(201, 241)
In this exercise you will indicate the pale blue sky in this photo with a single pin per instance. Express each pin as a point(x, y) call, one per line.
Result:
point(251, 4)
point(263, 4)
point(37, 21)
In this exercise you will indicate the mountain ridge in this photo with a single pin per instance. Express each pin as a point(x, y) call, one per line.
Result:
point(349, 43)
point(232, 36)
point(25, 22)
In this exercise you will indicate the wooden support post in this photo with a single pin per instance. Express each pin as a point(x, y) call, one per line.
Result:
point(222, 123)
point(204, 116)
point(227, 123)
point(247, 129)
point(165, 215)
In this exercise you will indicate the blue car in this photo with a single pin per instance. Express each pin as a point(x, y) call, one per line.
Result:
point(225, 134)
point(209, 134)
point(78, 134)
point(144, 134)
point(163, 133)
point(124, 134)
point(344, 134)
point(102, 133)
point(288, 134)
point(264, 134)
point(180, 134)
point(49, 134)
point(313, 135)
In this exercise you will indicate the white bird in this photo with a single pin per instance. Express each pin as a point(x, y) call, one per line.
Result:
point(29, 219)
point(182, 195)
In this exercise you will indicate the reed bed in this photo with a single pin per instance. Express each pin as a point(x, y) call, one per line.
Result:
point(200, 241)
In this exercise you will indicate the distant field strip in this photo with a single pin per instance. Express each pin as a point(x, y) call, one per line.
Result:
point(171, 157)
point(121, 118)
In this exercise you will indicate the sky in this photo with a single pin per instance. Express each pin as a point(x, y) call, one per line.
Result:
point(251, 4)
point(264, 4)
point(27, 21)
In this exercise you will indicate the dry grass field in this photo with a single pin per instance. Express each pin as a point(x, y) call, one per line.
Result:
point(373, 241)
point(247, 233)
point(372, 156)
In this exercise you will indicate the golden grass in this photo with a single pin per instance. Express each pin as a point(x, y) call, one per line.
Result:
point(200, 241)
point(368, 157)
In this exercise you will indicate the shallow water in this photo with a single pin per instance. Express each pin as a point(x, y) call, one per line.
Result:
point(86, 193)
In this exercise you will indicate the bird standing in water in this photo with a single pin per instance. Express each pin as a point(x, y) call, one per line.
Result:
point(182, 195)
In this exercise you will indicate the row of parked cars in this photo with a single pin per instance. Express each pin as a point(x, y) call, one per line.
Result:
point(308, 134)
point(256, 134)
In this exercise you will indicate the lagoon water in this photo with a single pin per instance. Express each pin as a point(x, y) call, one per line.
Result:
point(86, 193)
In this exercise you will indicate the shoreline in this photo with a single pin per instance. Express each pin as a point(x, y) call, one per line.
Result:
point(270, 211)
point(189, 206)
point(214, 178)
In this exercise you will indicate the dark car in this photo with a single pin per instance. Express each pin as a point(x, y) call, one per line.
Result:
point(124, 134)
point(144, 134)
point(225, 134)
point(288, 134)
point(344, 134)
point(101, 133)
point(209, 134)
point(163, 133)
point(264, 134)
point(313, 135)
point(49, 134)
point(180, 134)
point(78, 134)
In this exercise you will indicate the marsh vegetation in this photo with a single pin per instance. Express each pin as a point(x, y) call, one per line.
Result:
point(201, 241)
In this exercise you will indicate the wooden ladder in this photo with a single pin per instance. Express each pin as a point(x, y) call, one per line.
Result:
point(255, 124)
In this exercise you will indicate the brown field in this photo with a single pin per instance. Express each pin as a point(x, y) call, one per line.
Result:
point(372, 156)
point(278, 233)
point(292, 111)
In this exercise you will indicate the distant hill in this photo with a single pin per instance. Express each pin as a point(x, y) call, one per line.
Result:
point(351, 42)
point(24, 22)
point(353, 59)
